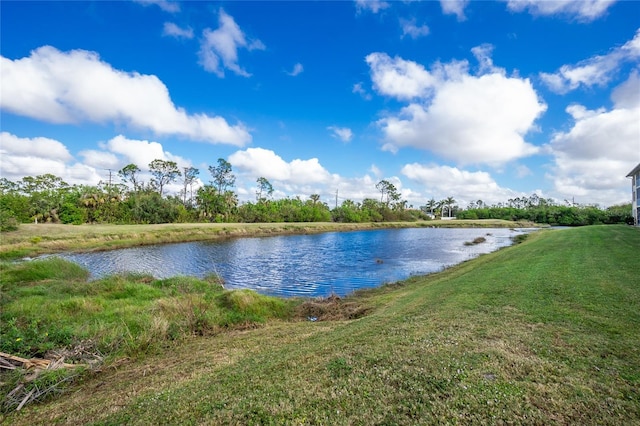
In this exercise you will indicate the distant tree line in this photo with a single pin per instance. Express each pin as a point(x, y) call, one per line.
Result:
point(545, 210)
point(47, 198)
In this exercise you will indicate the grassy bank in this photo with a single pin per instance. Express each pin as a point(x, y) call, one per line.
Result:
point(49, 310)
point(48, 304)
point(32, 240)
point(545, 332)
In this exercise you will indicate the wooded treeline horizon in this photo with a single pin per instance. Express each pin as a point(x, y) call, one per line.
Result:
point(48, 198)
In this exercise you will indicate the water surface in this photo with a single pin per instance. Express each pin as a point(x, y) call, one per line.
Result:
point(304, 265)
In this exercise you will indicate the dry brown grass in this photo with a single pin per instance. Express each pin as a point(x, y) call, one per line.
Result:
point(121, 383)
point(332, 308)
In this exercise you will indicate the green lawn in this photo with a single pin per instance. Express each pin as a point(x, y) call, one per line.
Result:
point(545, 332)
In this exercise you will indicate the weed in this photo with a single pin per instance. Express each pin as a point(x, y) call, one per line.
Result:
point(339, 367)
point(32, 338)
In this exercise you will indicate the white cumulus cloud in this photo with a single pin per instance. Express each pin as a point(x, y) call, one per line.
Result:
point(172, 30)
point(260, 162)
point(343, 133)
point(141, 152)
point(100, 159)
point(440, 182)
point(595, 71)
point(303, 177)
point(166, 5)
point(373, 6)
point(219, 47)
point(581, 10)
point(482, 54)
point(398, 77)
point(463, 117)
point(592, 159)
point(409, 28)
point(359, 89)
point(454, 7)
point(34, 147)
point(20, 157)
point(76, 86)
point(297, 69)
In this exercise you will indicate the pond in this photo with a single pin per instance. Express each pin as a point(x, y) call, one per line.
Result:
point(305, 265)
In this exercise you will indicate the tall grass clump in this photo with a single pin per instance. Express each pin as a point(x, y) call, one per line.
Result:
point(38, 270)
point(246, 307)
point(49, 304)
point(49, 310)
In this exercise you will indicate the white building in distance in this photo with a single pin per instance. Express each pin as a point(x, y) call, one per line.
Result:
point(635, 194)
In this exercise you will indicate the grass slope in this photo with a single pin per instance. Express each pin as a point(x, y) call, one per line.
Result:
point(545, 332)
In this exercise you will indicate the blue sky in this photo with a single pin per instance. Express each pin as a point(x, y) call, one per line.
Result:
point(474, 100)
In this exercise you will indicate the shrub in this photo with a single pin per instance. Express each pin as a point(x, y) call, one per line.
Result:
point(8, 223)
point(71, 214)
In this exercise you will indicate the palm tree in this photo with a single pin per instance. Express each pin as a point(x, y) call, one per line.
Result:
point(431, 205)
point(230, 200)
point(449, 202)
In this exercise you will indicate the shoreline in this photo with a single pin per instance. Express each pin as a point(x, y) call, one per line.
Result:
point(32, 240)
